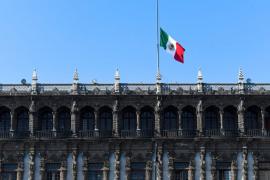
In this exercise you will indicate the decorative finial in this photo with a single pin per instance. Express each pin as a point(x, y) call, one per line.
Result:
point(200, 81)
point(76, 76)
point(34, 75)
point(200, 76)
point(34, 82)
point(117, 81)
point(240, 76)
point(117, 75)
point(158, 77)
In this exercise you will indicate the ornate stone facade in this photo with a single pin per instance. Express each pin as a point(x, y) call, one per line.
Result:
point(185, 122)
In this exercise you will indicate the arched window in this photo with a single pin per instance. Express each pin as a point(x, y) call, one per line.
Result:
point(188, 118)
point(128, 119)
point(230, 118)
point(4, 119)
point(147, 120)
point(105, 119)
point(45, 119)
point(267, 119)
point(252, 118)
point(87, 119)
point(22, 120)
point(63, 119)
point(170, 119)
point(211, 118)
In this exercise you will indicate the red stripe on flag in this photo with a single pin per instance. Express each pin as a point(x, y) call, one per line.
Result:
point(179, 54)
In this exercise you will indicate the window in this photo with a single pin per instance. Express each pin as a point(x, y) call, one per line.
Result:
point(8, 171)
point(5, 120)
point(170, 119)
point(181, 170)
point(223, 170)
point(105, 120)
point(128, 119)
point(63, 119)
point(87, 120)
point(188, 118)
point(95, 171)
point(252, 118)
point(22, 120)
point(211, 118)
point(52, 171)
point(137, 171)
point(46, 120)
point(147, 121)
point(230, 118)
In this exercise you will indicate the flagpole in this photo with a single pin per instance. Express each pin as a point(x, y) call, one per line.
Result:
point(157, 23)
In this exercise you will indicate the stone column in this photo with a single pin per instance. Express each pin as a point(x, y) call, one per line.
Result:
point(117, 165)
point(85, 169)
point(106, 170)
point(159, 162)
point(157, 118)
point(221, 114)
point(245, 164)
point(32, 117)
point(54, 122)
point(256, 168)
point(138, 118)
point(263, 120)
point(115, 118)
point(96, 120)
point(74, 164)
point(74, 118)
point(213, 168)
point(148, 170)
point(42, 167)
point(180, 126)
point(19, 172)
point(240, 113)
point(202, 164)
point(31, 164)
point(199, 112)
point(128, 167)
point(12, 122)
point(191, 170)
point(171, 167)
point(234, 170)
point(63, 173)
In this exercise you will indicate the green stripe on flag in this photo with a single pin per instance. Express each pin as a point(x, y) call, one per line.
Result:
point(163, 38)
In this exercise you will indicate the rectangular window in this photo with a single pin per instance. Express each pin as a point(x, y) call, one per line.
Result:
point(95, 171)
point(223, 170)
point(52, 171)
point(8, 171)
point(137, 171)
point(181, 170)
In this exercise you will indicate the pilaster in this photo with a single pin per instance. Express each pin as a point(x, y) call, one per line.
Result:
point(148, 170)
point(203, 164)
point(117, 164)
point(234, 170)
point(240, 113)
point(106, 170)
point(115, 118)
point(74, 117)
point(191, 170)
point(157, 117)
point(31, 164)
point(199, 112)
point(245, 164)
point(159, 162)
point(128, 166)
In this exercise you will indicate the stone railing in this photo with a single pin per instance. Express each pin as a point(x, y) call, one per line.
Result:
point(136, 88)
point(213, 133)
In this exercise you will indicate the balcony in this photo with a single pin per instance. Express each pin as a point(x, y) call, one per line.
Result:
point(128, 133)
point(21, 134)
point(178, 133)
point(94, 133)
point(45, 134)
point(5, 134)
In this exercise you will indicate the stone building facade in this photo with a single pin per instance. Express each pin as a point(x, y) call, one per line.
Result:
point(135, 131)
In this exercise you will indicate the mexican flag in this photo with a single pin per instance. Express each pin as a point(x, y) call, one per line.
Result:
point(171, 46)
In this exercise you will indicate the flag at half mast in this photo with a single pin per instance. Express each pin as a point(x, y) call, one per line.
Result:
point(171, 46)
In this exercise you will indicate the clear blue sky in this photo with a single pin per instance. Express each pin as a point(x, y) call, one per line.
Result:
point(97, 36)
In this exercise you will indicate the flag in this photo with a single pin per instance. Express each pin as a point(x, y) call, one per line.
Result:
point(171, 46)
